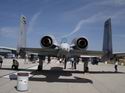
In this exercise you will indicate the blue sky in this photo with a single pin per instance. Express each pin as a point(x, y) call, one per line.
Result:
point(71, 18)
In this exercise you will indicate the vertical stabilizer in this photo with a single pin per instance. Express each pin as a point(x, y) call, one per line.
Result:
point(107, 39)
point(22, 33)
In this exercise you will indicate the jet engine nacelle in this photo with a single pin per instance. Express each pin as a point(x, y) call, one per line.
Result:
point(48, 42)
point(80, 43)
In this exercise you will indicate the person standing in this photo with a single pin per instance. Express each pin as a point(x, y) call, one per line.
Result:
point(72, 63)
point(1, 61)
point(116, 66)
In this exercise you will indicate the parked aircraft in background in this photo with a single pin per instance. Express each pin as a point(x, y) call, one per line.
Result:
point(8, 52)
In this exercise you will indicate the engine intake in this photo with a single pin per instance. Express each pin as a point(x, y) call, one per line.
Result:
point(48, 42)
point(80, 43)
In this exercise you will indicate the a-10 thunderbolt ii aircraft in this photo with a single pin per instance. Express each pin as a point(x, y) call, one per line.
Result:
point(78, 47)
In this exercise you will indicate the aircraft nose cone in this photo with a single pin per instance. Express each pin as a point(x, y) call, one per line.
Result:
point(65, 46)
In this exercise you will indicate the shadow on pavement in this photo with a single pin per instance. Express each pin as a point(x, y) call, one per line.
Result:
point(60, 70)
point(23, 69)
point(54, 74)
point(105, 72)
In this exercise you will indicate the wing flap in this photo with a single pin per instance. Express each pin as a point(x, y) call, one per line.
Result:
point(119, 54)
point(42, 51)
point(87, 53)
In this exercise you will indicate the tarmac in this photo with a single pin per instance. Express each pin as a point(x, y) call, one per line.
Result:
point(54, 79)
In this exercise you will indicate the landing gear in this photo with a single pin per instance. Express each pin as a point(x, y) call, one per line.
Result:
point(75, 65)
point(49, 59)
point(86, 68)
point(40, 66)
point(65, 61)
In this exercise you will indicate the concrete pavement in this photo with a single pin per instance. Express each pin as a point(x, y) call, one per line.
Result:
point(101, 78)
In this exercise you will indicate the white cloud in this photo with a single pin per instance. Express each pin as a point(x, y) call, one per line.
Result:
point(91, 19)
point(9, 32)
point(103, 15)
point(97, 5)
point(112, 2)
point(119, 14)
point(12, 32)
point(119, 35)
point(119, 2)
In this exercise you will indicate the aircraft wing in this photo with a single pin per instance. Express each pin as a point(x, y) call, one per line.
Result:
point(119, 54)
point(87, 53)
point(42, 51)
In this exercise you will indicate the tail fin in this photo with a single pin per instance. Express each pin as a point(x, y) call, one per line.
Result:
point(22, 33)
point(107, 39)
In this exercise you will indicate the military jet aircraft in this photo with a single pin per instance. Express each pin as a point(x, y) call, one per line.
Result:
point(78, 47)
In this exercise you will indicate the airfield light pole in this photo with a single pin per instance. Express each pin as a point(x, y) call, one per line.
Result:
point(22, 36)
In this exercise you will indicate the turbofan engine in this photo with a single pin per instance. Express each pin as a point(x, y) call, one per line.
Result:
point(48, 42)
point(80, 43)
